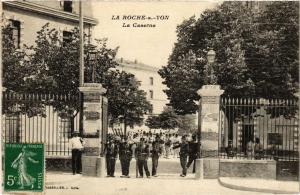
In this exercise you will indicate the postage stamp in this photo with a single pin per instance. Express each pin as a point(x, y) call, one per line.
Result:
point(24, 167)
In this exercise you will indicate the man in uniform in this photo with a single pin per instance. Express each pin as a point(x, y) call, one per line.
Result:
point(193, 150)
point(156, 152)
point(76, 145)
point(183, 153)
point(125, 156)
point(142, 153)
point(111, 151)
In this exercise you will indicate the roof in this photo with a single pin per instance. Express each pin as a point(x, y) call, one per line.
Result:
point(137, 65)
point(33, 7)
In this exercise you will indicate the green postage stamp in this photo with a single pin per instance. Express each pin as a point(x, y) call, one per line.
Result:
point(24, 167)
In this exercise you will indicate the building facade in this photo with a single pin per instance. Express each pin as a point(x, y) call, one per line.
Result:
point(151, 83)
point(27, 18)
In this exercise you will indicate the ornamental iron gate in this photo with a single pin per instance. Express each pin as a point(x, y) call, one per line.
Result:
point(48, 118)
point(259, 128)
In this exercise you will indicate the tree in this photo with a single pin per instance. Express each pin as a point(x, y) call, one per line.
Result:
point(53, 67)
point(16, 70)
point(166, 120)
point(169, 119)
point(187, 124)
point(273, 56)
point(249, 54)
point(15, 65)
point(127, 103)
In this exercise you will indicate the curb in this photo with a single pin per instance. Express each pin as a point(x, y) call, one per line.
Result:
point(243, 188)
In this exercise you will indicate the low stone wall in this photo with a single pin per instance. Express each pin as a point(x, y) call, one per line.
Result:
point(90, 165)
point(210, 168)
point(248, 168)
point(59, 164)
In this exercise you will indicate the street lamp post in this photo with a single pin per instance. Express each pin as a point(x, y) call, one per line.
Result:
point(92, 58)
point(210, 76)
point(210, 80)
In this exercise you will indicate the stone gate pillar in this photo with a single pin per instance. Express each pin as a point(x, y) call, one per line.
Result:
point(92, 163)
point(208, 164)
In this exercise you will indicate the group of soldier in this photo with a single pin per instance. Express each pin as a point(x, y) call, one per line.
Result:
point(142, 148)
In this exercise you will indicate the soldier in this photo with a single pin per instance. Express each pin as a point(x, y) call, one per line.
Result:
point(142, 153)
point(111, 151)
point(183, 153)
point(156, 152)
point(125, 156)
point(193, 151)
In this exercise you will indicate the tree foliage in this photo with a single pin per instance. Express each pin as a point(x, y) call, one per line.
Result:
point(257, 53)
point(168, 119)
point(15, 62)
point(127, 103)
point(51, 65)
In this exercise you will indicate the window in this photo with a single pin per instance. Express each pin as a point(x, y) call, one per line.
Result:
point(151, 80)
point(151, 94)
point(15, 32)
point(151, 109)
point(68, 6)
point(67, 37)
point(12, 128)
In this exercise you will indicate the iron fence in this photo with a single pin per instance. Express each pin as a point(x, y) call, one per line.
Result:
point(259, 128)
point(47, 118)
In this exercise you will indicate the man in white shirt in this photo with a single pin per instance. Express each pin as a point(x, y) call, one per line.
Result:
point(76, 145)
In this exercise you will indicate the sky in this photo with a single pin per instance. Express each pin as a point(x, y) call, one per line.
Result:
point(148, 45)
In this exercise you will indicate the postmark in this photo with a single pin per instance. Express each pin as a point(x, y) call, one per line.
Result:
point(24, 167)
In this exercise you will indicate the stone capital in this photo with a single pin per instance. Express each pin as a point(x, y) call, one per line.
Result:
point(210, 90)
point(92, 87)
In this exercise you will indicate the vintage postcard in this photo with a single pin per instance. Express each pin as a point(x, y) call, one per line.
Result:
point(149, 97)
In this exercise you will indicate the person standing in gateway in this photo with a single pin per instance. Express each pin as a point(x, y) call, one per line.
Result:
point(125, 155)
point(142, 153)
point(193, 152)
point(111, 151)
point(76, 145)
point(184, 152)
point(156, 152)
